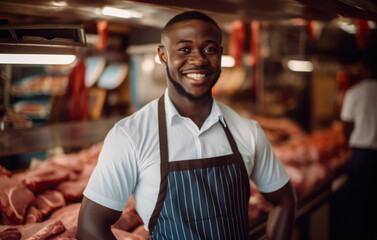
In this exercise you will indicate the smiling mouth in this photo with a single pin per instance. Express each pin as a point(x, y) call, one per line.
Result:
point(196, 76)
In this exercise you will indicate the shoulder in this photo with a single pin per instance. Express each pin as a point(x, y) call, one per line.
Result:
point(141, 120)
point(136, 127)
point(360, 90)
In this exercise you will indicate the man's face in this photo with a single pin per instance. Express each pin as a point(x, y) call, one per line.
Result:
point(191, 52)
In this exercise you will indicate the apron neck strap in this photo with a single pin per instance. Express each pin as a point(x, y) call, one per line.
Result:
point(231, 140)
point(164, 153)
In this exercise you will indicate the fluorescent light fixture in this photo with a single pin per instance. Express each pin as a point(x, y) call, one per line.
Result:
point(37, 59)
point(300, 66)
point(121, 13)
point(58, 3)
point(347, 27)
point(227, 61)
point(372, 25)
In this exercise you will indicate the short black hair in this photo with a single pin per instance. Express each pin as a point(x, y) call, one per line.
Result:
point(190, 15)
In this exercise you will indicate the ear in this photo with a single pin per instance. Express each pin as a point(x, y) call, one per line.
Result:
point(161, 54)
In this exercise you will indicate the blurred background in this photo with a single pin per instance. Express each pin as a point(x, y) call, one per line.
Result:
point(70, 69)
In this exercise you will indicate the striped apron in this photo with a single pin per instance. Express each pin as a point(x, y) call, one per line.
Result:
point(200, 198)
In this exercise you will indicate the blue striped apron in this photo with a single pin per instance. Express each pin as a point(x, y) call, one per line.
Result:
point(200, 198)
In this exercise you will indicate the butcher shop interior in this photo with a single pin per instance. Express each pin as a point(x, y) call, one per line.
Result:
point(71, 69)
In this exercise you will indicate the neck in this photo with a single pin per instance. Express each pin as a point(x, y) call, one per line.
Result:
point(197, 110)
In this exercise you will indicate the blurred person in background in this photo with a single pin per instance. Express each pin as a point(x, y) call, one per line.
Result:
point(359, 114)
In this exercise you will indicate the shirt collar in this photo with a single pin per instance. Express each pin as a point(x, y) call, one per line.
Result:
point(171, 111)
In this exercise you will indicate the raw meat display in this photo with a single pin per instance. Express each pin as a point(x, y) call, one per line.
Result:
point(313, 158)
point(68, 215)
point(41, 231)
point(33, 215)
point(44, 176)
point(15, 198)
point(4, 171)
point(73, 189)
point(9, 233)
point(46, 199)
point(37, 231)
point(40, 84)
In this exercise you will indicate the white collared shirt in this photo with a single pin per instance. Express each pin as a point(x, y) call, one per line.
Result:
point(129, 162)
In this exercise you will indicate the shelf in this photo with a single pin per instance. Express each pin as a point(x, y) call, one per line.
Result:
point(66, 135)
point(42, 38)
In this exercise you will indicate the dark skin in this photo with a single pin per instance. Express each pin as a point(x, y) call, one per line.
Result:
point(95, 221)
point(192, 52)
point(347, 129)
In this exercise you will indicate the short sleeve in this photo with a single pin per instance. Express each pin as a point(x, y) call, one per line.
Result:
point(114, 178)
point(268, 173)
point(347, 113)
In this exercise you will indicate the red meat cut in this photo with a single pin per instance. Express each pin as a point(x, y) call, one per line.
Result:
point(44, 176)
point(9, 233)
point(33, 215)
point(68, 215)
point(4, 171)
point(41, 231)
point(15, 198)
point(48, 201)
point(73, 190)
point(35, 231)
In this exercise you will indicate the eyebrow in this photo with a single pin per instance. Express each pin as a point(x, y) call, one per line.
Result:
point(189, 41)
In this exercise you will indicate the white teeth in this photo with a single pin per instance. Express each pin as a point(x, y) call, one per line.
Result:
point(196, 76)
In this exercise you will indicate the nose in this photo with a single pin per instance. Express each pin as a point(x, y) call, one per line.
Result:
point(198, 59)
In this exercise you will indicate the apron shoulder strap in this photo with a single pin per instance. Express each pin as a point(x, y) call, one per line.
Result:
point(231, 140)
point(164, 153)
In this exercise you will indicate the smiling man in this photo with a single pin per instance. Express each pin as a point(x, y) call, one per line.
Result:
point(186, 158)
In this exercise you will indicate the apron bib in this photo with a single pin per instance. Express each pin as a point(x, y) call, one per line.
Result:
point(200, 198)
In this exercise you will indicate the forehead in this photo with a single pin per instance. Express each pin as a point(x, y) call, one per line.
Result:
point(192, 30)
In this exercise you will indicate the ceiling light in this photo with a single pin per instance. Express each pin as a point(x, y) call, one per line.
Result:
point(347, 27)
point(59, 3)
point(300, 66)
point(372, 25)
point(121, 13)
point(37, 59)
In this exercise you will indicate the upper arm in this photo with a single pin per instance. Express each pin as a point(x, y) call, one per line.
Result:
point(268, 172)
point(95, 220)
point(115, 175)
point(282, 215)
point(348, 128)
point(284, 196)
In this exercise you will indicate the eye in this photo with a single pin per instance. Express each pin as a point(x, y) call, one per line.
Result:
point(184, 50)
point(210, 50)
